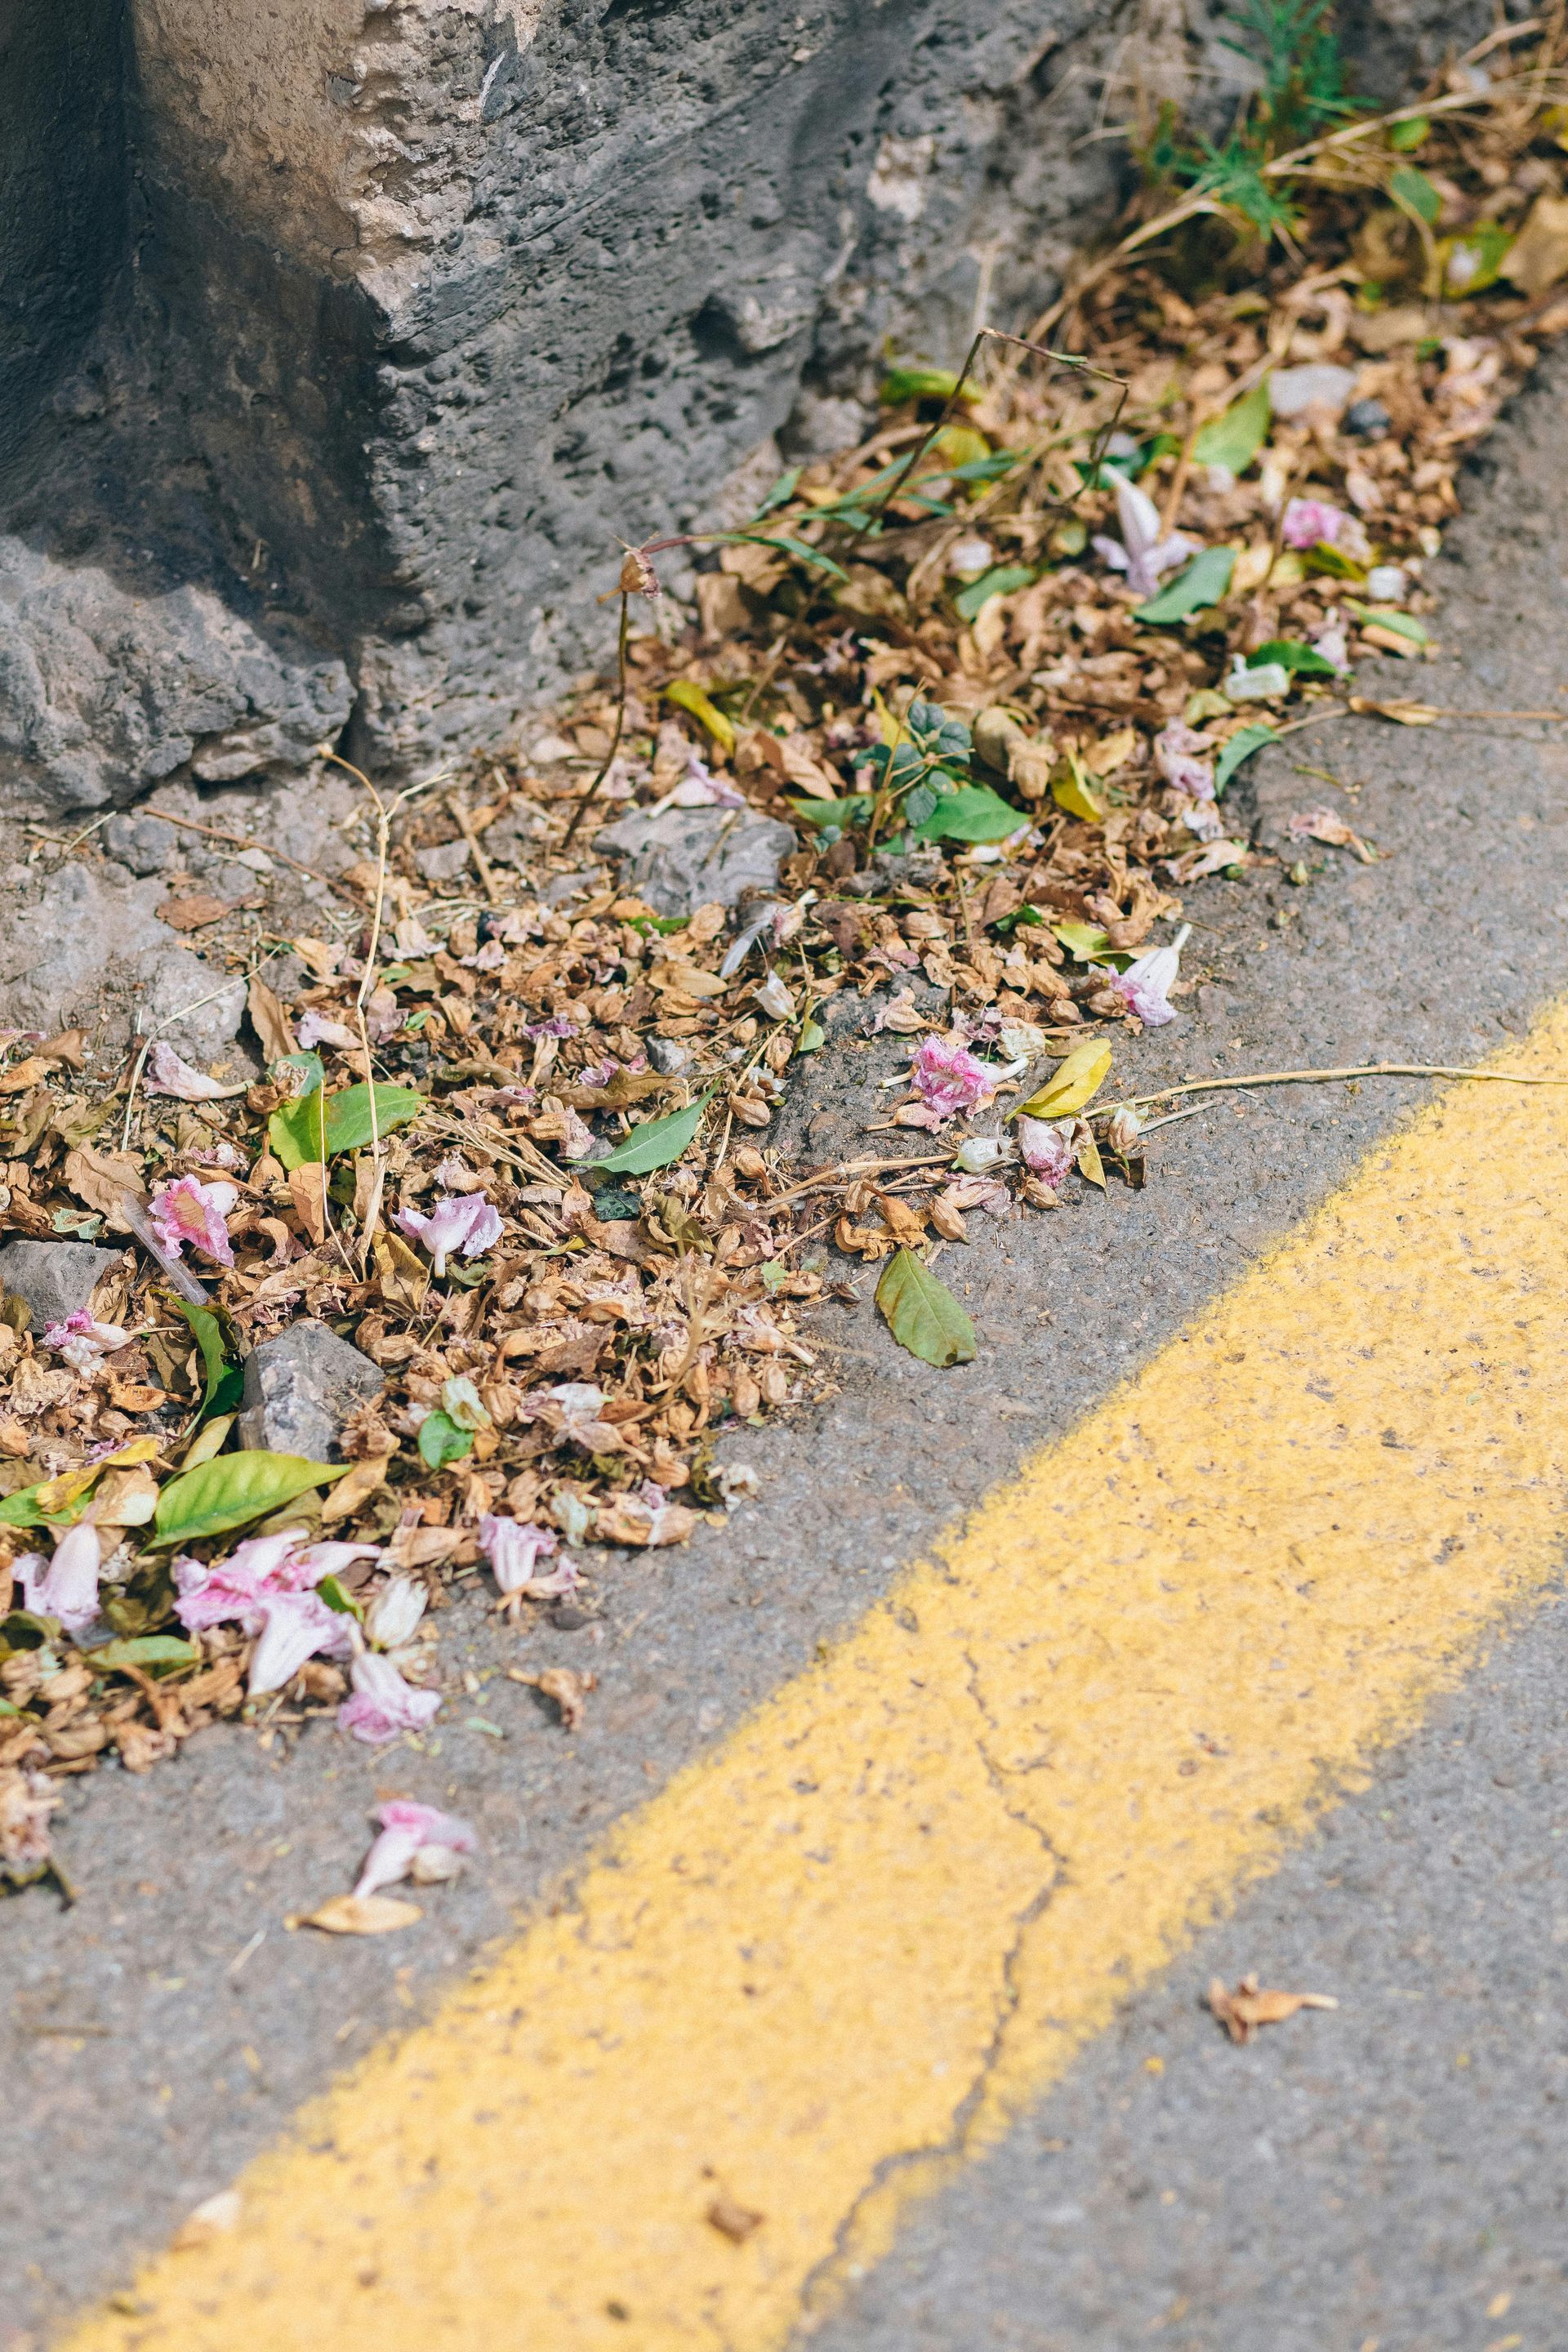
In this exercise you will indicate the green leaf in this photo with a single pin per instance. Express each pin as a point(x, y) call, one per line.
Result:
point(614, 1205)
point(1000, 581)
point(1323, 557)
point(782, 492)
point(1240, 747)
point(922, 1314)
point(147, 1651)
point(1083, 941)
point(318, 1126)
point(1204, 581)
point(655, 1143)
point(441, 1441)
point(901, 384)
point(225, 1382)
point(232, 1489)
point(1291, 655)
point(1235, 438)
point(986, 469)
point(1404, 625)
point(1413, 192)
point(1405, 137)
point(974, 812)
point(853, 809)
point(21, 1509)
point(799, 548)
point(813, 1037)
point(1473, 262)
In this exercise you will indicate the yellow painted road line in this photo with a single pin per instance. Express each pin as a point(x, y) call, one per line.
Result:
point(839, 1954)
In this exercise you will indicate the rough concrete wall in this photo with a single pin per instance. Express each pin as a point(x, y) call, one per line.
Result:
point(437, 299)
point(63, 190)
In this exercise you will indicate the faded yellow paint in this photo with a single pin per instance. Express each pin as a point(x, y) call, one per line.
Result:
point(839, 1954)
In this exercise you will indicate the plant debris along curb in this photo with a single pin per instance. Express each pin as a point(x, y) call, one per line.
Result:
point(507, 1133)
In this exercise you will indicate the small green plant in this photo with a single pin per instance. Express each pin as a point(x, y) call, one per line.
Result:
point(1302, 93)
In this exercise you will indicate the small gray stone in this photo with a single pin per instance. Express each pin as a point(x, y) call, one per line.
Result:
point(686, 858)
point(56, 1278)
point(667, 1058)
point(443, 863)
point(1369, 419)
point(300, 1386)
point(145, 843)
point(1319, 385)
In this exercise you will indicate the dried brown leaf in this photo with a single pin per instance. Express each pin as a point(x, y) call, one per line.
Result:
point(270, 1022)
point(362, 1914)
point(1241, 2012)
point(193, 914)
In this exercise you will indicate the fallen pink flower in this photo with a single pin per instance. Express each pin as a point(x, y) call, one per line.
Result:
point(257, 1572)
point(408, 1828)
point(67, 1586)
point(1144, 987)
point(699, 788)
point(317, 1029)
point(1046, 1149)
point(382, 1704)
point(464, 1224)
point(184, 1209)
point(82, 1341)
point(987, 1193)
point(1143, 551)
point(1331, 644)
point(1176, 755)
point(489, 958)
point(167, 1074)
point(294, 1626)
point(948, 1079)
point(1313, 523)
point(514, 1548)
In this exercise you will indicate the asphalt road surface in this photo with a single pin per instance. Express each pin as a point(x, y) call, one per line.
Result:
point(1393, 2175)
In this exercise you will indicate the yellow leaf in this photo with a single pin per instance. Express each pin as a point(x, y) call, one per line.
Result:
point(887, 724)
point(959, 444)
point(1102, 758)
point(1072, 1083)
point(362, 1481)
point(1071, 792)
point(1089, 1161)
point(687, 695)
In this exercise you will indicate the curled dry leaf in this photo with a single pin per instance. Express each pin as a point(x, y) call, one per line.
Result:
point(269, 1020)
point(565, 1685)
point(362, 1914)
point(215, 2217)
point(101, 1180)
point(193, 914)
point(732, 2220)
point(1249, 2006)
point(350, 1493)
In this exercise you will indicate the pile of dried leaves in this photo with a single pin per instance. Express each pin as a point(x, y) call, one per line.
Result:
point(995, 669)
